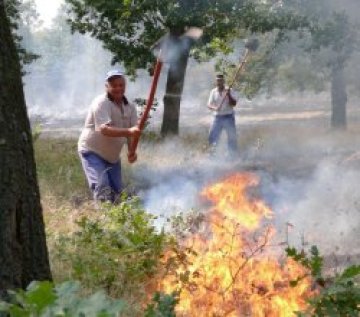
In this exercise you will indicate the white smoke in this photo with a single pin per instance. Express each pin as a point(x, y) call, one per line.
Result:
point(309, 185)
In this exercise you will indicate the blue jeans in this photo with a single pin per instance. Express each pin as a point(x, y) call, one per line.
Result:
point(104, 178)
point(227, 123)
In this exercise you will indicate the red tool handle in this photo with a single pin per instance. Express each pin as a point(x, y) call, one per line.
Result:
point(149, 103)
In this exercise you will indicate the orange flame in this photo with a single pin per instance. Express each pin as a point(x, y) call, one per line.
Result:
point(231, 201)
point(231, 274)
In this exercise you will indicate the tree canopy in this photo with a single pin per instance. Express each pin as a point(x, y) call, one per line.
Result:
point(129, 28)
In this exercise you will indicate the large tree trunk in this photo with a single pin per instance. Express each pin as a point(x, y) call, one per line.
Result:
point(338, 97)
point(23, 252)
point(178, 59)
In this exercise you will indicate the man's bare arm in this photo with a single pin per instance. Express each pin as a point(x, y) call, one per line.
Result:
point(114, 132)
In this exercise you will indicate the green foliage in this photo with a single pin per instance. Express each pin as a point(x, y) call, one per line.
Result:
point(337, 296)
point(118, 250)
point(129, 28)
point(298, 74)
point(43, 299)
point(338, 36)
point(255, 75)
point(329, 27)
point(16, 10)
point(303, 55)
point(162, 306)
point(314, 262)
point(341, 298)
point(141, 104)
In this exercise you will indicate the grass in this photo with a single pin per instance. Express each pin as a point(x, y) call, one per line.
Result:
point(59, 171)
point(61, 179)
point(63, 185)
point(64, 194)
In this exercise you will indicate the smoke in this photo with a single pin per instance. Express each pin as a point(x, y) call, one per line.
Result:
point(285, 139)
point(312, 184)
point(173, 180)
point(70, 72)
point(62, 87)
point(328, 209)
point(307, 180)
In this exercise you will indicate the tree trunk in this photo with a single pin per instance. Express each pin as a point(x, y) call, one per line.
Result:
point(178, 59)
point(338, 98)
point(23, 252)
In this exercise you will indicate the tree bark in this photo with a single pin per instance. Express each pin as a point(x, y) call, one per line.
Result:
point(23, 251)
point(177, 58)
point(338, 98)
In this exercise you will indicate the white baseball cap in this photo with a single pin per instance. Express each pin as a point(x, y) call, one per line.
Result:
point(114, 73)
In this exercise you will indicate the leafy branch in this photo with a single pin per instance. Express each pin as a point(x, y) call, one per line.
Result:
point(338, 295)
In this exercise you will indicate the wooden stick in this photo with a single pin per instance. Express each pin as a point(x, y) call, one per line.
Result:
point(239, 69)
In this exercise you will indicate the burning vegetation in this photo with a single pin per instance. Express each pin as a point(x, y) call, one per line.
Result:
point(233, 268)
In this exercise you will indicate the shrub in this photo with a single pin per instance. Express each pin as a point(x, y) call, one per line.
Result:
point(338, 295)
point(162, 306)
point(43, 299)
point(118, 249)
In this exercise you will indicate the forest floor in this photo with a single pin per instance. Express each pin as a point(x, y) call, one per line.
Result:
point(306, 169)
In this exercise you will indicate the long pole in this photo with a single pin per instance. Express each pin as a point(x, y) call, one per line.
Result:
point(149, 103)
point(239, 69)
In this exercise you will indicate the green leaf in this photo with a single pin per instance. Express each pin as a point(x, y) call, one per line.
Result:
point(40, 295)
point(16, 311)
point(42, 300)
point(67, 289)
point(351, 272)
point(4, 306)
point(98, 305)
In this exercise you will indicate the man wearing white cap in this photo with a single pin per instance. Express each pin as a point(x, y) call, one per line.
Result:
point(222, 101)
point(110, 123)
